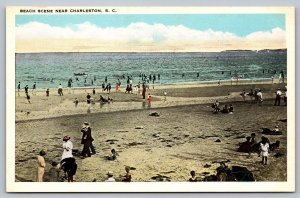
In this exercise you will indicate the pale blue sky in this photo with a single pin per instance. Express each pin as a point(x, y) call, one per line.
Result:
point(239, 24)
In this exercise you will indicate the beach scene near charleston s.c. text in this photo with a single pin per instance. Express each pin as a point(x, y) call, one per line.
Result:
point(113, 95)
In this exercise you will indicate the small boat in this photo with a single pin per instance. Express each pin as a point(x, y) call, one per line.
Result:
point(80, 74)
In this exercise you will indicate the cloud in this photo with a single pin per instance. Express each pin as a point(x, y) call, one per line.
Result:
point(148, 34)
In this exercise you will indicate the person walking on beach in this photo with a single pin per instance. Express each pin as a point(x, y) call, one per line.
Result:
point(144, 90)
point(94, 91)
point(278, 94)
point(88, 99)
point(41, 164)
point(26, 89)
point(105, 79)
point(33, 87)
point(60, 90)
point(19, 87)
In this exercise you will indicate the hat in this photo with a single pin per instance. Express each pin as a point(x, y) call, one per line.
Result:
point(86, 123)
point(66, 138)
point(110, 173)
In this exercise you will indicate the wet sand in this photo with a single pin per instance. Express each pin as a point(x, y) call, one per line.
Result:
point(180, 140)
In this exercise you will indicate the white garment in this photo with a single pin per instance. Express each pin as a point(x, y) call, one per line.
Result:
point(264, 149)
point(278, 93)
point(60, 87)
point(110, 179)
point(259, 94)
point(67, 146)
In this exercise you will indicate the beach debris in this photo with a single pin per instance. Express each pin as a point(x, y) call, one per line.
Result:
point(207, 166)
point(155, 114)
point(94, 180)
point(186, 135)
point(218, 140)
point(135, 143)
point(240, 137)
point(228, 129)
point(122, 131)
point(161, 178)
point(155, 135)
point(28, 112)
point(168, 145)
point(139, 127)
point(132, 168)
point(277, 155)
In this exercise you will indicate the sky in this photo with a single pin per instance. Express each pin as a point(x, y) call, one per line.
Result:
point(149, 32)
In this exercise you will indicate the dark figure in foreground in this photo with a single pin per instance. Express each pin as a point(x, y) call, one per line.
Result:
point(193, 178)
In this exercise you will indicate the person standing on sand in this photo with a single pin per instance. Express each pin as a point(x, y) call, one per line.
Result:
point(94, 91)
point(41, 166)
point(68, 163)
point(60, 90)
point(19, 87)
point(105, 79)
point(76, 102)
point(144, 90)
point(264, 151)
point(86, 140)
point(47, 92)
point(259, 97)
point(278, 94)
point(26, 89)
point(149, 100)
point(88, 99)
point(33, 87)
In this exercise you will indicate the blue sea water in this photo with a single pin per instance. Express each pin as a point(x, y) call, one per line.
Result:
point(50, 69)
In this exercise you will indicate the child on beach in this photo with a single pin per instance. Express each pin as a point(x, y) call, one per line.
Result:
point(76, 102)
point(41, 166)
point(117, 87)
point(193, 178)
point(264, 150)
point(113, 156)
point(47, 92)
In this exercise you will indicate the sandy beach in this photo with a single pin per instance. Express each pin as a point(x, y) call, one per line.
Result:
point(181, 139)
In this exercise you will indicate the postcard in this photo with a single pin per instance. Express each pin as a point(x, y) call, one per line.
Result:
point(150, 99)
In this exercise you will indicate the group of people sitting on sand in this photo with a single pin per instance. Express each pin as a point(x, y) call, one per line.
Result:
point(262, 148)
point(226, 109)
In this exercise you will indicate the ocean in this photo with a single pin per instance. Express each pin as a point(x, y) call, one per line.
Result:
point(48, 70)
